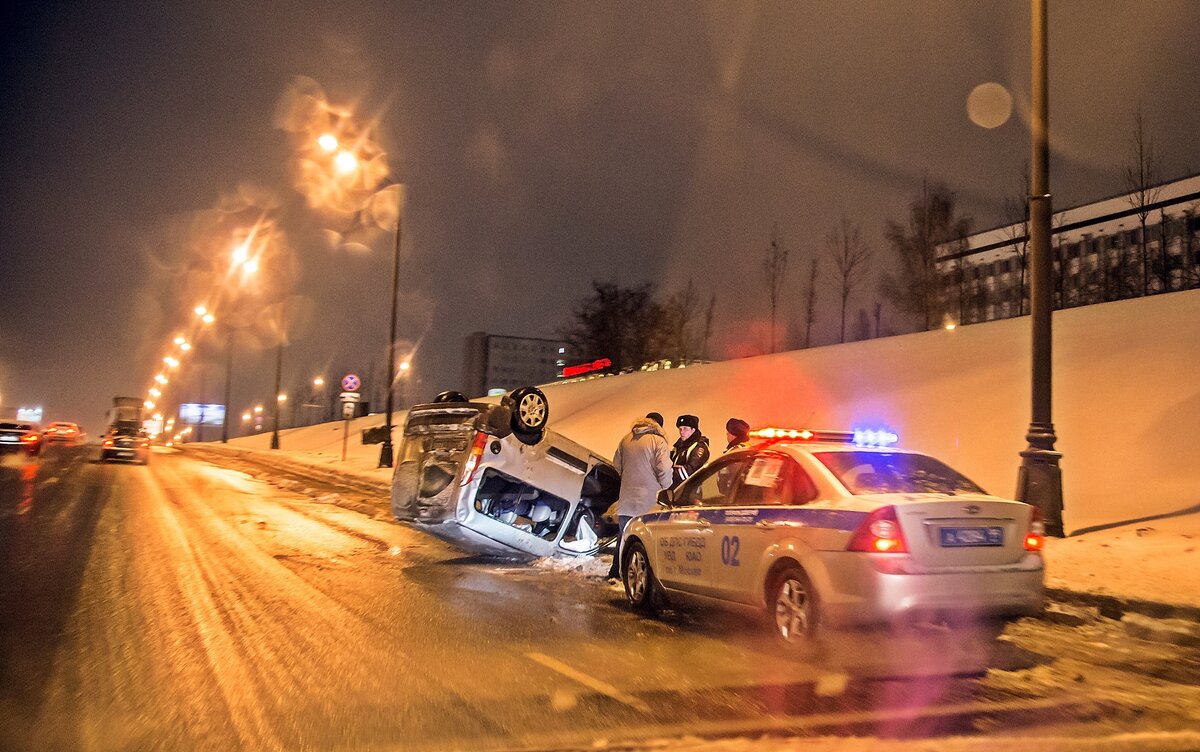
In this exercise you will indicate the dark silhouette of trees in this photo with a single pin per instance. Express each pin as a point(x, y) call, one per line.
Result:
point(851, 263)
point(932, 222)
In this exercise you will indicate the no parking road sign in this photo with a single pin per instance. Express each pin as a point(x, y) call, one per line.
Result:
point(351, 382)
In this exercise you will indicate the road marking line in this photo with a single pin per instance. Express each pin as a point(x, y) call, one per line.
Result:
point(590, 682)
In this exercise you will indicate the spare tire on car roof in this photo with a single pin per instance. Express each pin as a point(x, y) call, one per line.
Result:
point(530, 413)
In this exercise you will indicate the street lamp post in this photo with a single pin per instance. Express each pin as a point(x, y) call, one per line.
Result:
point(1039, 481)
point(228, 388)
point(275, 402)
point(385, 452)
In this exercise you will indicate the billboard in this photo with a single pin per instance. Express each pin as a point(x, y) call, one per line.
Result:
point(195, 414)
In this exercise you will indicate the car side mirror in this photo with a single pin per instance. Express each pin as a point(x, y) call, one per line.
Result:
point(664, 498)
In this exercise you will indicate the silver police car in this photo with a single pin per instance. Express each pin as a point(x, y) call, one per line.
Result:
point(836, 528)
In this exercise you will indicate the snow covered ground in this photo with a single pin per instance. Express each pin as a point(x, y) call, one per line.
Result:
point(1126, 404)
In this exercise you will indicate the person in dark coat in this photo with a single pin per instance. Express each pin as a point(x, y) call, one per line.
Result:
point(643, 460)
point(737, 433)
point(691, 451)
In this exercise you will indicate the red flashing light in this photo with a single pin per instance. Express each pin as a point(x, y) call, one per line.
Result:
point(582, 368)
point(781, 433)
point(477, 446)
point(879, 533)
point(1035, 539)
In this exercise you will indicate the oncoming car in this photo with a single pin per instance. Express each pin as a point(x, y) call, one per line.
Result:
point(816, 529)
point(494, 478)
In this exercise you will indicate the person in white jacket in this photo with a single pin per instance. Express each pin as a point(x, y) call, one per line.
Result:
point(643, 460)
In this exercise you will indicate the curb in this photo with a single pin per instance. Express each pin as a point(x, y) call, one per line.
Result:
point(1113, 607)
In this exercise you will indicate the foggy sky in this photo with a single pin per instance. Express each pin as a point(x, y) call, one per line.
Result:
point(542, 145)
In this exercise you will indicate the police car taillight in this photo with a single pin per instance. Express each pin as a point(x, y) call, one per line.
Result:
point(879, 533)
point(1035, 539)
point(477, 446)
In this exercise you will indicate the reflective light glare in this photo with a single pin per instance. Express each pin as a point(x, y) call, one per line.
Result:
point(318, 381)
point(328, 142)
point(404, 366)
point(345, 162)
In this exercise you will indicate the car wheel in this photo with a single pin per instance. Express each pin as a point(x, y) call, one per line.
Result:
point(792, 609)
point(530, 412)
point(641, 586)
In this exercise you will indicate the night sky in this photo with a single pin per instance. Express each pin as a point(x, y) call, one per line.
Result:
point(542, 145)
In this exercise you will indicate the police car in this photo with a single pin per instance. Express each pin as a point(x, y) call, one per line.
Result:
point(836, 528)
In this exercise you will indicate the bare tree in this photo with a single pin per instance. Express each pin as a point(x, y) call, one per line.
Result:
point(775, 271)
point(851, 262)
point(708, 325)
point(678, 341)
point(810, 303)
point(1141, 180)
point(1016, 211)
point(932, 222)
point(615, 322)
point(1191, 255)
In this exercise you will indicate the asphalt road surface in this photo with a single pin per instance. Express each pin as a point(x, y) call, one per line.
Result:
point(183, 605)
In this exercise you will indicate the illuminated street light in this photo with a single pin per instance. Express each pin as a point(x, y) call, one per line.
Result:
point(160, 378)
point(185, 346)
point(345, 162)
point(171, 362)
point(258, 409)
point(246, 417)
point(149, 404)
point(154, 392)
point(250, 267)
point(200, 310)
point(208, 318)
point(281, 397)
point(318, 382)
point(241, 253)
point(328, 142)
point(180, 340)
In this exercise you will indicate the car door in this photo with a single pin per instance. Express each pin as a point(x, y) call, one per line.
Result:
point(756, 515)
point(684, 536)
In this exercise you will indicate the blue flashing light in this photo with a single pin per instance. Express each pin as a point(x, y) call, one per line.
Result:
point(870, 437)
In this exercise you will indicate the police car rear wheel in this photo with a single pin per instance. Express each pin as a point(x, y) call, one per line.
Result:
point(639, 578)
point(793, 608)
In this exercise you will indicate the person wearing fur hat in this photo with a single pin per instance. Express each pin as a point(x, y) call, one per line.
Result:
point(643, 460)
point(737, 433)
point(691, 451)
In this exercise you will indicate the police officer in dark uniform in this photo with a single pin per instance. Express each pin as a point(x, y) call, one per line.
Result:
point(691, 451)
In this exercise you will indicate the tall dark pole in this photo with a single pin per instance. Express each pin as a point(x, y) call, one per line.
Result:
point(275, 400)
point(228, 378)
point(1039, 481)
point(385, 452)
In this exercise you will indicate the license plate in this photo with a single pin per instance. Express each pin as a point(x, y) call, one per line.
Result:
point(953, 537)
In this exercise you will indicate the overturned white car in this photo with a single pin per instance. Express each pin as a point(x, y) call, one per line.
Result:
point(493, 478)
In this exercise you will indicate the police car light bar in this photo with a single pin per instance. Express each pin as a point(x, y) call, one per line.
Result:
point(859, 436)
point(802, 434)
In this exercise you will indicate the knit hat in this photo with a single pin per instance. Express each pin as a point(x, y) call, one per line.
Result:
point(688, 420)
point(738, 428)
point(656, 417)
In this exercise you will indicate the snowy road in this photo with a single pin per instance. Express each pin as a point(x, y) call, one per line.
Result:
point(188, 606)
